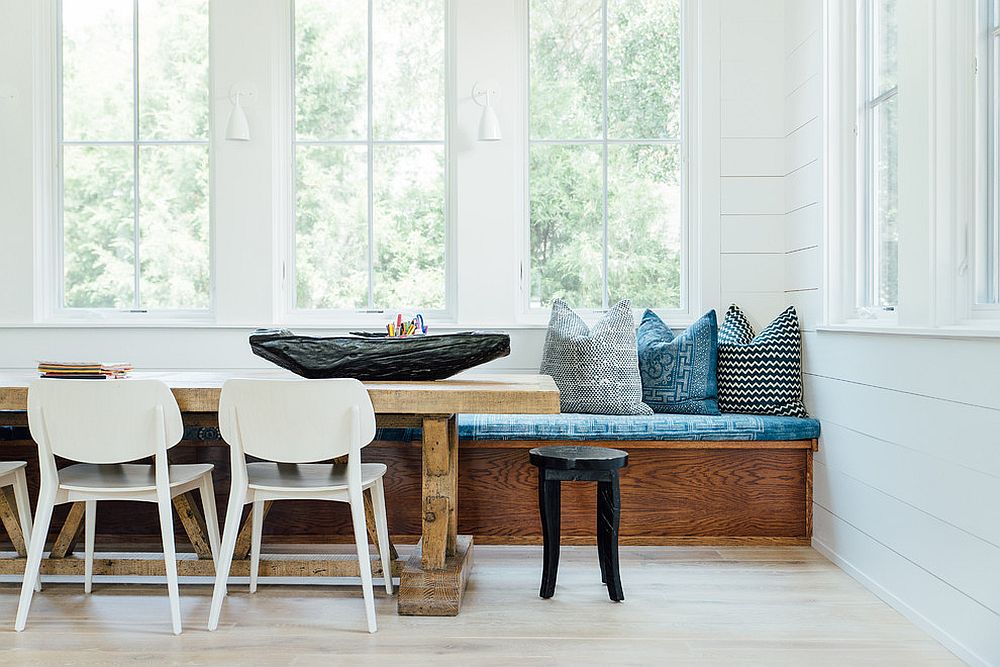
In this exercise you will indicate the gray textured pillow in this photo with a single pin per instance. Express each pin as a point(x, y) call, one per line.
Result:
point(596, 370)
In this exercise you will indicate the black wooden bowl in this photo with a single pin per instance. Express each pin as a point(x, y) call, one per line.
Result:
point(379, 357)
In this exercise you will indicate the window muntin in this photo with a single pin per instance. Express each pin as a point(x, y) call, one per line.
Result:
point(133, 155)
point(988, 235)
point(605, 163)
point(370, 155)
point(878, 236)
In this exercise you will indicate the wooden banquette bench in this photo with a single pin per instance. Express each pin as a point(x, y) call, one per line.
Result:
point(699, 480)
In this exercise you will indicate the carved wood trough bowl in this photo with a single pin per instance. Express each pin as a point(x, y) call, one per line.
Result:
point(366, 356)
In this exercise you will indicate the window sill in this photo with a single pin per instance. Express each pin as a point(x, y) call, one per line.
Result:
point(983, 330)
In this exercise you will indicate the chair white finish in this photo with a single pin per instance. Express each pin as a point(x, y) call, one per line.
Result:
point(12, 474)
point(102, 425)
point(294, 423)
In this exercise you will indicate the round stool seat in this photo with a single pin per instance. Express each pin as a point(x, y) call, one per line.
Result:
point(578, 457)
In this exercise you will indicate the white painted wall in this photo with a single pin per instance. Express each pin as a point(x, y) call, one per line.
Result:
point(907, 478)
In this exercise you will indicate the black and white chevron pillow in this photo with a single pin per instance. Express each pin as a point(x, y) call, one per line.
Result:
point(761, 374)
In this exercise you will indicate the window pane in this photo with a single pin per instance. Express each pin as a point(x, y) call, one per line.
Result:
point(885, 37)
point(98, 232)
point(331, 69)
point(644, 69)
point(644, 225)
point(409, 227)
point(173, 69)
point(331, 227)
point(886, 201)
point(174, 227)
point(97, 70)
point(567, 258)
point(408, 69)
point(566, 74)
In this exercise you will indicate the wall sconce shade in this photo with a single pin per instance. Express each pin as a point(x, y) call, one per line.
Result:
point(489, 124)
point(237, 129)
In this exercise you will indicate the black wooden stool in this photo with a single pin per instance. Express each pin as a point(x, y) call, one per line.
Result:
point(586, 464)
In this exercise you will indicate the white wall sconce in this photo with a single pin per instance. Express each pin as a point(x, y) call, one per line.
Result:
point(238, 128)
point(485, 94)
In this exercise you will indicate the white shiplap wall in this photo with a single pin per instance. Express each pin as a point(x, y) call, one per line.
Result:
point(907, 479)
point(752, 156)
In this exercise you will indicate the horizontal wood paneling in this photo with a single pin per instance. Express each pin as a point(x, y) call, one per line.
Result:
point(926, 483)
point(754, 195)
point(804, 145)
point(753, 273)
point(950, 369)
point(753, 234)
point(949, 553)
point(804, 186)
point(753, 156)
point(803, 269)
point(803, 104)
point(809, 307)
point(953, 433)
point(958, 621)
point(804, 227)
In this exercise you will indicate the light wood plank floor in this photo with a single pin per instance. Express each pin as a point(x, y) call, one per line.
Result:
point(684, 605)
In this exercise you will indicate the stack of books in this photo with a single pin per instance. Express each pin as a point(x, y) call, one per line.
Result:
point(83, 370)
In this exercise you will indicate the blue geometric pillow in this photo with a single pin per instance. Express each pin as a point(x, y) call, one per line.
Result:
point(679, 374)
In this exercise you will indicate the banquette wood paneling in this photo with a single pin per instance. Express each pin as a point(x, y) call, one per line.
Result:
point(709, 493)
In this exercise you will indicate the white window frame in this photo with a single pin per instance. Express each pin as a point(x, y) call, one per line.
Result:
point(49, 266)
point(986, 236)
point(691, 298)
point(289, 313)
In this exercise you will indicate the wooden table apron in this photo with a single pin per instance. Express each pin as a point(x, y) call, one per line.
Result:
point(432, 580)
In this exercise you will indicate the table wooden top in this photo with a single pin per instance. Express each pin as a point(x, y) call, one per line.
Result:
point(466, 393)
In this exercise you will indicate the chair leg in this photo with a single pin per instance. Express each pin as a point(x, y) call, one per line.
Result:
point(256, 535)
point(43, 516)
point(549, 507)
point(24, 511)
point(382, 529)
point(364, 557)
point(90, 521)
point(609, 509)
point(207, 489)
point(170, 559)
point(237, 497)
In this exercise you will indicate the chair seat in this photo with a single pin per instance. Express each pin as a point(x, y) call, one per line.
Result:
point(125, 477)
point(7, 467)
point(307, 476)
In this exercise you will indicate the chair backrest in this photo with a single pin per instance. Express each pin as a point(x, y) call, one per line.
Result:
point(295, 421)
point(102, 421)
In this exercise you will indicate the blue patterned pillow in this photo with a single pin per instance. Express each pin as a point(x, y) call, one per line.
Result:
point(679, 374)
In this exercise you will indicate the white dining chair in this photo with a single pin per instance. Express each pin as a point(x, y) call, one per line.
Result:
point(12, 474)
point(102, 426)
point(291, 424)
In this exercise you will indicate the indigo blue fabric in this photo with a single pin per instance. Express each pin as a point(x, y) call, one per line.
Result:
point(679, 374)
point(582, 427)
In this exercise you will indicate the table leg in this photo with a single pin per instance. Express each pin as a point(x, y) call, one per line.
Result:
point(9, 517)
point(434, 578)
point(194, 525)
point(609, 506)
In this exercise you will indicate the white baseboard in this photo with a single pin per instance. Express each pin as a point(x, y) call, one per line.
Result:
point(951, 643)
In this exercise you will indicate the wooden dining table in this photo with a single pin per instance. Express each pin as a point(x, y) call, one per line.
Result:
point(432, 579)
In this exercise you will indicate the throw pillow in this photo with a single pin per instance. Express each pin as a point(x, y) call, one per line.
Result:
point(761, 374)
point(679, 374)
point(596, 370)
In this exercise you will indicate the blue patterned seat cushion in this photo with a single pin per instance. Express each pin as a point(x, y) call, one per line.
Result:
point(582, 427)
point(679, 373)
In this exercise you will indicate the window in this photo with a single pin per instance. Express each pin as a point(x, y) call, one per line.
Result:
point(878, 279)
point(133, 155)
point(988, 234)
point(878, 237)
point(606, 153)
point(370, 155)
